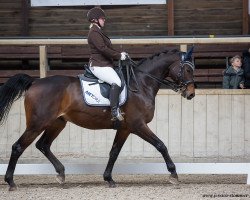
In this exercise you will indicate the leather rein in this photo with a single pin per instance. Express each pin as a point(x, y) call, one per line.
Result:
point(131, 66)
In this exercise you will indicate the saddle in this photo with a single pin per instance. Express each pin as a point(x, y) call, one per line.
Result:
point(96, 92)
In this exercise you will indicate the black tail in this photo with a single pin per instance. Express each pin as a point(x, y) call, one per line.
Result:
point(11, 91)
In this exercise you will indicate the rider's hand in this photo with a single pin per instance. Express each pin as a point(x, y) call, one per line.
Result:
point(124, 55)
point(242, 86)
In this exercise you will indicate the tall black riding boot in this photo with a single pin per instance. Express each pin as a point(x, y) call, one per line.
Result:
point(114, 102)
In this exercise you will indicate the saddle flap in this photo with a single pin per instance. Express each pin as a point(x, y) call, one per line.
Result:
point(97, 94)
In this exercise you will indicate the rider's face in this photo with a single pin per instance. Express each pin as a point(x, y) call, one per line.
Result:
point(101, 21)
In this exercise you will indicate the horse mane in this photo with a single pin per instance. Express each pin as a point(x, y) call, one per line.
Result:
point(173, 51)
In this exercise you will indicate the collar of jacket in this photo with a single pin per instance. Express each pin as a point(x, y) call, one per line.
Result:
point(231, 70)
point(94, 25)
point(98, 29)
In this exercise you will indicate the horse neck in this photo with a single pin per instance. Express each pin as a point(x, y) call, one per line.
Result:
point(158, 67)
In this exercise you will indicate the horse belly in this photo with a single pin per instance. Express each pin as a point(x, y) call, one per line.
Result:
point(90, 120)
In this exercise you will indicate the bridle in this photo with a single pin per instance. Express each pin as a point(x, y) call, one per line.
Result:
point(180, 76)
point(132, 66)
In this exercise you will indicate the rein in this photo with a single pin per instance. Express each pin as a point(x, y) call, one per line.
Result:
point(175, 87)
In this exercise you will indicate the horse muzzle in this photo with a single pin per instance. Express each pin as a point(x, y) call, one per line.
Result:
point(189, 91)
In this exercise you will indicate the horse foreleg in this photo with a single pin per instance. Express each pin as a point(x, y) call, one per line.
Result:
point(120, 138)
point(146, 134)
point(17, 149)
point(44, 144)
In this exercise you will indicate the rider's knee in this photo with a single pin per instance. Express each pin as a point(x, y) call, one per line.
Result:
point(117, 82)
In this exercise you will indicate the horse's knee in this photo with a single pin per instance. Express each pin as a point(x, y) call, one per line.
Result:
point(17, 149)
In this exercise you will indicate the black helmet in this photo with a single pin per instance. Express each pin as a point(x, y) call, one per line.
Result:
point(95, 13)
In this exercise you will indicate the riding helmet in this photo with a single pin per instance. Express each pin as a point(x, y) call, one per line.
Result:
point(95, 13)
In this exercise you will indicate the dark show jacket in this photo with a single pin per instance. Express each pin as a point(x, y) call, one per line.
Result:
point(101, 51)
point(232, 78)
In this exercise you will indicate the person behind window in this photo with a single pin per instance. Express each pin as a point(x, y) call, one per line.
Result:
point(234, 75)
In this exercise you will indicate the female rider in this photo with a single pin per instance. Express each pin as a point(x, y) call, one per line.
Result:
point(101, 58)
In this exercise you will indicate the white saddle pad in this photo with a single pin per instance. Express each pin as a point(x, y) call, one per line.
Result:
point(93, 97)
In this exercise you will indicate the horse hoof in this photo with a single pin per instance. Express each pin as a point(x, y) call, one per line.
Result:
point(174, 180)
point(12, 188)
point(60, 179)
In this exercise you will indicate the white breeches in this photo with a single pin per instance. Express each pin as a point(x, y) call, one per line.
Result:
point(106, 74)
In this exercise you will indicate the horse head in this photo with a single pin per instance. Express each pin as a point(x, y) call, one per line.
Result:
point(181, 72)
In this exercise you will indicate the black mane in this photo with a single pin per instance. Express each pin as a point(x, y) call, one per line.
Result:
point(158, 54)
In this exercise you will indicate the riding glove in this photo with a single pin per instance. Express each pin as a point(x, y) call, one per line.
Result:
point(124, 55)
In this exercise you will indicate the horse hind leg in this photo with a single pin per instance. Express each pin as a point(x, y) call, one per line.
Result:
point(17, 149)
point(44, 144)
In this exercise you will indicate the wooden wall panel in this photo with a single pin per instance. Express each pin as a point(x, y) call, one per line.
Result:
point(209, 128)
point(207, 17)
point(187, 128)
point(174, 125)
point(200, 125)
point(238, 129)
point(10, 18)
point(212, 126)
point(246, 127)
point(225, 126)
point(191, 17)
point(121, 21)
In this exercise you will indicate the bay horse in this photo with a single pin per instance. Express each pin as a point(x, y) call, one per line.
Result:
point(53, 101)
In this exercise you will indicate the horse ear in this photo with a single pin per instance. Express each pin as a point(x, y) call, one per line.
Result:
point(183, 56)
point(188, 55)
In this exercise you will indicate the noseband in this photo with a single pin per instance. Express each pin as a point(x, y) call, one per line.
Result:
point(183, 84)
point(175, 87)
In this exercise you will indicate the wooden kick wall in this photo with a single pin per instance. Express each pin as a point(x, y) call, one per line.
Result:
point(212, 127)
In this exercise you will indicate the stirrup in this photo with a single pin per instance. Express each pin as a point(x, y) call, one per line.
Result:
point(118, 115)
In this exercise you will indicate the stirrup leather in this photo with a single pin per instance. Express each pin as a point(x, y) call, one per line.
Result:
point(117, 115)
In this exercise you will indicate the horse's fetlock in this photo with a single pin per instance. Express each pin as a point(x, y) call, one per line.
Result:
point(107, 176)
point(7, 178)
point(108, 179)
point(171, 167)
point(61, 170)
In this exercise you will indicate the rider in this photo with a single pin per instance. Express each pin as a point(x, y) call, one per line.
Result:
point(101, 58)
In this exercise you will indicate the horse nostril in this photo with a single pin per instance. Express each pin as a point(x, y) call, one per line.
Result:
point(189, 97)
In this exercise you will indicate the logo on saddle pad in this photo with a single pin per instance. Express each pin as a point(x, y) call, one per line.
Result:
point(92, 96)
point(97, 94)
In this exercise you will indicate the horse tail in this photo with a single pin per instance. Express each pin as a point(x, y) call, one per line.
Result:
point(11, 91)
